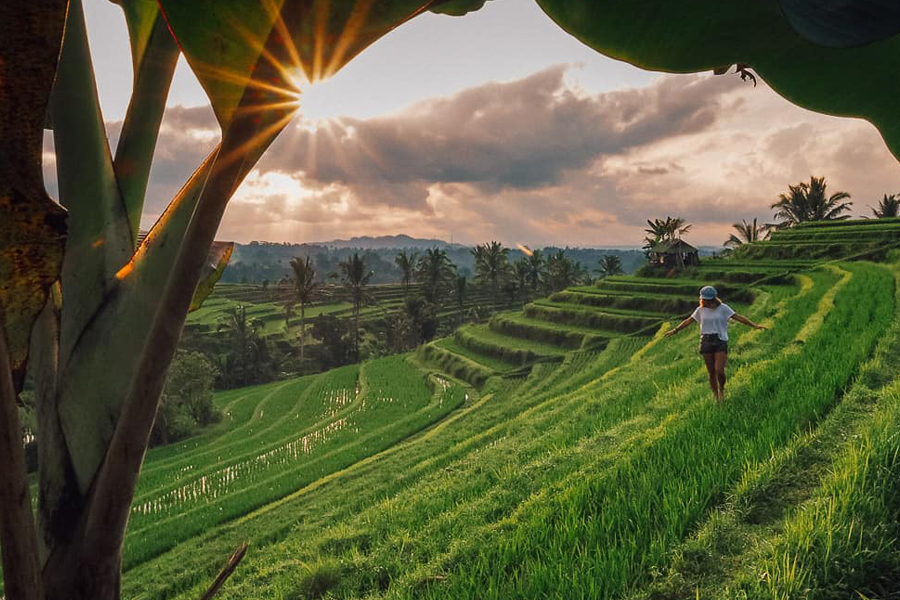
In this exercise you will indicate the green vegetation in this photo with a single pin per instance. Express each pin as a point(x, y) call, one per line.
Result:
point(567, 447)
point(827, 240)
point(596, 472)
point(187, 399)
point(332, 423)
point(807, 202)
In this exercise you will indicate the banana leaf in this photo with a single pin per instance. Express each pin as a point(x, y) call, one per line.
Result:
point(703, 35)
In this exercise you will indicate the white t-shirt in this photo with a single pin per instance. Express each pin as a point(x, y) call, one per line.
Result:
point(714, 320)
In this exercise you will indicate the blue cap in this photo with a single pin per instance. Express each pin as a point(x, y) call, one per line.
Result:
point(708, 293)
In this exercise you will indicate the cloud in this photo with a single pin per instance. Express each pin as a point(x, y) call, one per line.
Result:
point(536, 160)
point(522, 134)
point(541, 162)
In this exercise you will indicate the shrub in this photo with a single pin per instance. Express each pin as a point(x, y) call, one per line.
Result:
point(187, 399)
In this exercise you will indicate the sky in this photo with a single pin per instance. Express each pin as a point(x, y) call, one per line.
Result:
point(499, 125)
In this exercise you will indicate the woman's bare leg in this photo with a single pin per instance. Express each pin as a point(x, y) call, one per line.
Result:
point(710, 359)
point(721, 361)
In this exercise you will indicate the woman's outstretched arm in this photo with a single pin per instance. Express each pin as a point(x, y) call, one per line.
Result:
point(680, 326)
point(746, 321)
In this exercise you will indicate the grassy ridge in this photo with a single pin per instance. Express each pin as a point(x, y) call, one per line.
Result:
point(816, 519)
point(395, 400)
point(459, 365)
point(546, 424)
point(576, 478)
point(594, 539)
point(415, 463)
point(504, 347)
point(866, 238)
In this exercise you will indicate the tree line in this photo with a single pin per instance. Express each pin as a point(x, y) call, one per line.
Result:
point(805, 202)
point(438, 296)
point(802, 203)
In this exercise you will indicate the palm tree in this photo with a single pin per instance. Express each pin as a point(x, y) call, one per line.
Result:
point(521, 270)
point(305, 287)
point(355, 278)
point(665, 231)
point(888, 207)
point(669, 230)
point(563, 272)
point(246, 346)
point(435, 271)
point(421, 320)
point(406, 262)
point(536, 270)
point(491, 265)
point(288, 312)
point(748, 232)
point(808, 202)
point(460, 287)
point(610, 264)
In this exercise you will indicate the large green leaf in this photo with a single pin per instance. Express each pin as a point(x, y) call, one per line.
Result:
point(843, 23)
point(456, 8)
point(223, 41)
point(219, 255)
point(113, 341)
point(701, 35)
point(100, 241)
point(32, 226)
point(249, 56)
point(154, 56)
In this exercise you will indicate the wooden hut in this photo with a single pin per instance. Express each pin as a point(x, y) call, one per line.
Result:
point(674, 254)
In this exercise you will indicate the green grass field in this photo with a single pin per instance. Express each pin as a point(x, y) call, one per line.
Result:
point(568, 450)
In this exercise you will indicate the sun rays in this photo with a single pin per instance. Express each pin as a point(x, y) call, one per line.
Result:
point(305, 43)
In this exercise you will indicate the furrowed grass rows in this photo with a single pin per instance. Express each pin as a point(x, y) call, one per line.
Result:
point(505, 488)
point(816, 557)
point(365, 484)
point(237, 406)
point(313, 401)
point(596, 538)
point(425, 517)
point(552, 413)
point(395, 400)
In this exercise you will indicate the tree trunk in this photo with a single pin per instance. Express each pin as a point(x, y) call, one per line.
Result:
point(356, 329)
point(302, 330)
point(72, 575)
point(493, 296)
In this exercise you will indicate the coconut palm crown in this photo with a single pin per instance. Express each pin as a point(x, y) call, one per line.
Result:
point(305, 288)
point(435, 271)
point(669, 230)
point(748, 232)
point(609, 265)
point(810, 202)
point(406, 262)
point(888, 207)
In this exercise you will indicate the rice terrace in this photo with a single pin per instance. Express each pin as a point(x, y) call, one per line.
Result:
point(395, 417)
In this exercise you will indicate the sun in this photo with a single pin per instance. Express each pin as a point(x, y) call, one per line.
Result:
point(315, 107)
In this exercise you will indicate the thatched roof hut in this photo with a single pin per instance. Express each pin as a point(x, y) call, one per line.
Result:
point(674, 254)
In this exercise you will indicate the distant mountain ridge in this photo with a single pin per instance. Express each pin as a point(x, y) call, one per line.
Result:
point(386, 242)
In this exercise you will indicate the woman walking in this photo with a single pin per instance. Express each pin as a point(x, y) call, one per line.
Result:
point(713, 316)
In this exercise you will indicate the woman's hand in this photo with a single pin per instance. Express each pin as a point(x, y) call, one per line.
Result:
point(760, 327)
point(671, 332)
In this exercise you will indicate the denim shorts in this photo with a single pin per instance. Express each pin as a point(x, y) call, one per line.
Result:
point(710, 343)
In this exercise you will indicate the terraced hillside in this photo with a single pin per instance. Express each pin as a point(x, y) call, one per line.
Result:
point(267, 306)
point(580, 318)
point(865, 238)
point(566, 450)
